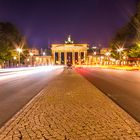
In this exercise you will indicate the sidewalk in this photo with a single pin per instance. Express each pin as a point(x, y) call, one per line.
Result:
point(71, 108)
point(115, 67)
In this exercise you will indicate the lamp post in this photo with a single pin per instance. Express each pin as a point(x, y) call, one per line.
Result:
point(101, 60)
point(119, 50)
point(15, 58)
point(19, 50)
point(31, 55)
point(108, 55)
point(124, 60)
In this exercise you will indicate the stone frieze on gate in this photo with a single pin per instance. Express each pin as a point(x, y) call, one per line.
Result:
point(69, 47)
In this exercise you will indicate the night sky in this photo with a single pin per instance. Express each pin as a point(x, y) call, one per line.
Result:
point(51, 21)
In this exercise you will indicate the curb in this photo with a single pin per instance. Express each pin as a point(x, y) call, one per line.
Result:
point(10, 121)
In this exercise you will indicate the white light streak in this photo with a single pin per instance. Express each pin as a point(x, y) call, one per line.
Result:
point(17, 72)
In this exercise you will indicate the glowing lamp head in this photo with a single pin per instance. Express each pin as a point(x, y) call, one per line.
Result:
point(44, 53)
point(14, 57)
point(19, 50)
point(94, 53)
point(120, 50)
point(31, 54)
point(124, 57)
point(37, 58)
point(107, 53)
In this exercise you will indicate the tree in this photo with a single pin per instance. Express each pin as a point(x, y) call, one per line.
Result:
point(130, 34)
point(22, 45)
point(135, 51)
point(9, 34)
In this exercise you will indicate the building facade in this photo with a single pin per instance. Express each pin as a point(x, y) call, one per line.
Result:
point(74, 53)
point(42, 60)
point(69, 52)
point(34, 51)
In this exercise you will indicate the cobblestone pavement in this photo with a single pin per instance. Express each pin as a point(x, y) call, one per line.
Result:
point(71, 108)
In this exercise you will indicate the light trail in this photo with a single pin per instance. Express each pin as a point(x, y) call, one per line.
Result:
point(17, 72)
point(25, 68)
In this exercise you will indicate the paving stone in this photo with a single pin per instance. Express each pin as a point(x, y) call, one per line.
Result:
point(71, 108)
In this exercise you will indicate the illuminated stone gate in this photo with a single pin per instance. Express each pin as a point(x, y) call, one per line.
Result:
point(76, 54)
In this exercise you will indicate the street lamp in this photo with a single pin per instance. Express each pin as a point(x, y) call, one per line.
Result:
point(124, 60)
point(108, 54)
point(14, 62)
point(119, 50)
point(19, 47)
point(14, 57)
point(94, 53)
point(101, 59)
point(112, 60)
point(31, 55)
point(19, 50)
point(44, 53)
point(124, 57)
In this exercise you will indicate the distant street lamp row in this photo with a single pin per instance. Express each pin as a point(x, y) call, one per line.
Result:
point(108, 54)
point(19, 51)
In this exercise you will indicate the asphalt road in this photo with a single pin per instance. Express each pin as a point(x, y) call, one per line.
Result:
point(18, 88)
point(123, 87)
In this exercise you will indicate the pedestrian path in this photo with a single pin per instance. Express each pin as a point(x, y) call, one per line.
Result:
point(71, 108)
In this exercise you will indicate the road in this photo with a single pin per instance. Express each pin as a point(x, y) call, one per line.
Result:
point(18, 87)
point(123, 87)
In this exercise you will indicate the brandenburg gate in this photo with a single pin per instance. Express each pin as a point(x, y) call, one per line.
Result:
point(75, 54)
